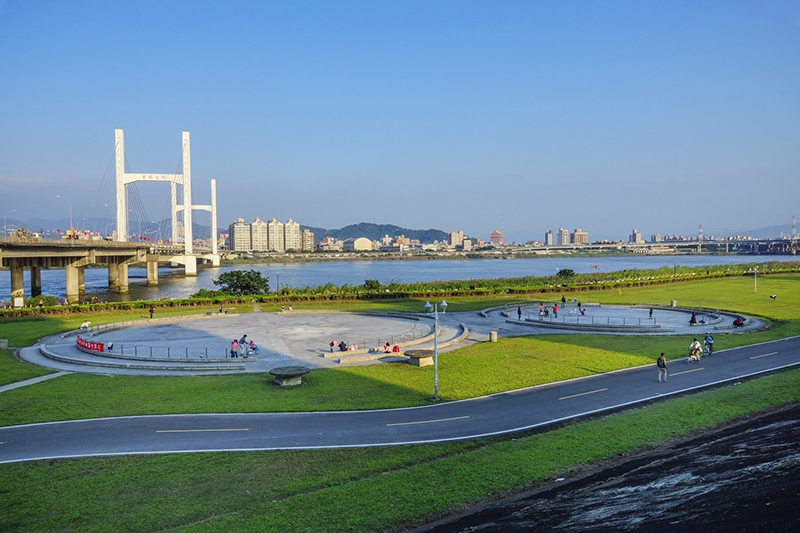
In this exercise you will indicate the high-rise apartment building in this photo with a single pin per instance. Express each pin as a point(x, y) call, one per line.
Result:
point(275, 231)
point(259, 238)
point(579, 237)
point(455, 238)
point(636, 237)
point(291, 235)
point(548, 238)
point(563, 236)
point(307, 241)
point(239, 236)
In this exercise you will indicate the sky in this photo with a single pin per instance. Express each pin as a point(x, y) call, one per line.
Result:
point(456, 115)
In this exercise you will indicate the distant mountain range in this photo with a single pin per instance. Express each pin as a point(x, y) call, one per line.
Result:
point(376, 232)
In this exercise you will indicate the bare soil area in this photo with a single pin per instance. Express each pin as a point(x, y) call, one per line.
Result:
point(742, 477)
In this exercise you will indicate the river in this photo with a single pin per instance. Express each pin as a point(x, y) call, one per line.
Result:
point(172, 283)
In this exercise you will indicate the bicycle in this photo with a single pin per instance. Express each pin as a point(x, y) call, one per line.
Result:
point(709, 348)
point(694, 357)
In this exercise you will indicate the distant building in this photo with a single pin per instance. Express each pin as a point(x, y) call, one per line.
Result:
point(291, 235)
point(656, 238)
point(357, 245)
point(239, 236)
point(275, 230)
point(563, 236)
point(548, 238)
point(259, 238)
point(466, 244)
point(579, 237)
point(636, 237)
point(496, 237)
point(329, 244)
point(456, 238)
point(307, 241)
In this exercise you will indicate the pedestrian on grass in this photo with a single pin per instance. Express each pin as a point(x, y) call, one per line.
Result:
point(662, 367)
point(151, 311)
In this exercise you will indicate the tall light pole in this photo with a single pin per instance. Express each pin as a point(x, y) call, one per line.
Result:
point(5, 221)
point(70, 209)
point(435, 308)
point(755, 281)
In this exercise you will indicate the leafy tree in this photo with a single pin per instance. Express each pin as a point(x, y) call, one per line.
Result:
point(243, 282)
point(372, 285)
point(566, 273)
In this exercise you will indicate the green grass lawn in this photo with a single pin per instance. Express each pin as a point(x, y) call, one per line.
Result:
point(347, 489)
point(516, 362)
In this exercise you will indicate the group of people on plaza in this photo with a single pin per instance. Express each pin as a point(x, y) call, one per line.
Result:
point(696, 351)
point(344, 347)
point(243, 347)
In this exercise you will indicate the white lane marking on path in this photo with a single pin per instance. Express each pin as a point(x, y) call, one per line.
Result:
point(764, 355)
point(427, 421)
point(688, 371)
point(198, 430)
point(582, 394)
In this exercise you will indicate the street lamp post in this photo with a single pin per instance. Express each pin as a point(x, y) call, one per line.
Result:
point(435, 308)
point(755, 281)
point(70, 209)
point(5, 221)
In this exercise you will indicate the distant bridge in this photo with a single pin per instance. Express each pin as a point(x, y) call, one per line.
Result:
point(74, 255)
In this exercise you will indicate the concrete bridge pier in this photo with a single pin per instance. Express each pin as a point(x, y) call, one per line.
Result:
point(118, 275)
point(17, 287)
point(152, 270)
point(190, 265)
point(74, 278)
point(36, 281)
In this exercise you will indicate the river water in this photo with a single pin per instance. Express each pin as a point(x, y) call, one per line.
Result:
point(172, 283)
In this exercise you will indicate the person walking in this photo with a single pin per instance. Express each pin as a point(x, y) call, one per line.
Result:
point(555, 311)
point(151, 311)
point(519, 313)
point(651, 312)
point(661, 363)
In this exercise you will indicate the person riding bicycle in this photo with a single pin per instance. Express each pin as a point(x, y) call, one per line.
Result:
point(708, 342)
point(695, 349)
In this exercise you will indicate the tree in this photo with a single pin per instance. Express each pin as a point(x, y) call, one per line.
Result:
point(243, 282)
point(372, 285)
point(566, 273)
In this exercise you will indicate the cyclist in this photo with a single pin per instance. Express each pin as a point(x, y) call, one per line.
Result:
point(695, 350)
point(708, 342)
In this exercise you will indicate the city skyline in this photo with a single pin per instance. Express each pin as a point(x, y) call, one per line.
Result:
point(519, 118)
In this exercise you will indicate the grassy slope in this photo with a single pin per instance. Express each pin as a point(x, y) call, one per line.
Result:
point(342, 490)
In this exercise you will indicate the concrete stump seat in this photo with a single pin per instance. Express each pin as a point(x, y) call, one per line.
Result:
point(420, 357)
point(289, 375)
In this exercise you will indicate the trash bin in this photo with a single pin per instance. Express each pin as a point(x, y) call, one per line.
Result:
point(492, 336)
point(674, 303)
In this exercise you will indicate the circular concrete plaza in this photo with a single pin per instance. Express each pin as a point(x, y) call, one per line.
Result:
point(297, 338)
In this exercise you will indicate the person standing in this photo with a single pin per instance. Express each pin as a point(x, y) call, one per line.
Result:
point(661, 363)
point(234, 349)
point(555, 311)
point(151, 311)
point(519, 313)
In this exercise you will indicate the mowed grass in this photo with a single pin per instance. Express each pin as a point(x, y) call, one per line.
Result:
point(344, 490)
point(481, 369)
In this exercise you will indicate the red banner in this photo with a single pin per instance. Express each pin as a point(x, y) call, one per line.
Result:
point(89, 345)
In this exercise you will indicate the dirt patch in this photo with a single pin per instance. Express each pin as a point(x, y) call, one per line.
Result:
point(742, 477)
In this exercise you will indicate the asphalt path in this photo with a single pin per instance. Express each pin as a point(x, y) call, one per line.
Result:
point(496, 414)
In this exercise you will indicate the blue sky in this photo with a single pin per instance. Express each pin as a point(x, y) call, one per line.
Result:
point(517, 116)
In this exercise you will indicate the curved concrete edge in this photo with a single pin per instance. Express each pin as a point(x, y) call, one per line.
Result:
point(375, 356)
point(388, 314)
point(587, 327)
point(133, 366)
point(102, 328)
point(379, 349)
point(217, 360)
